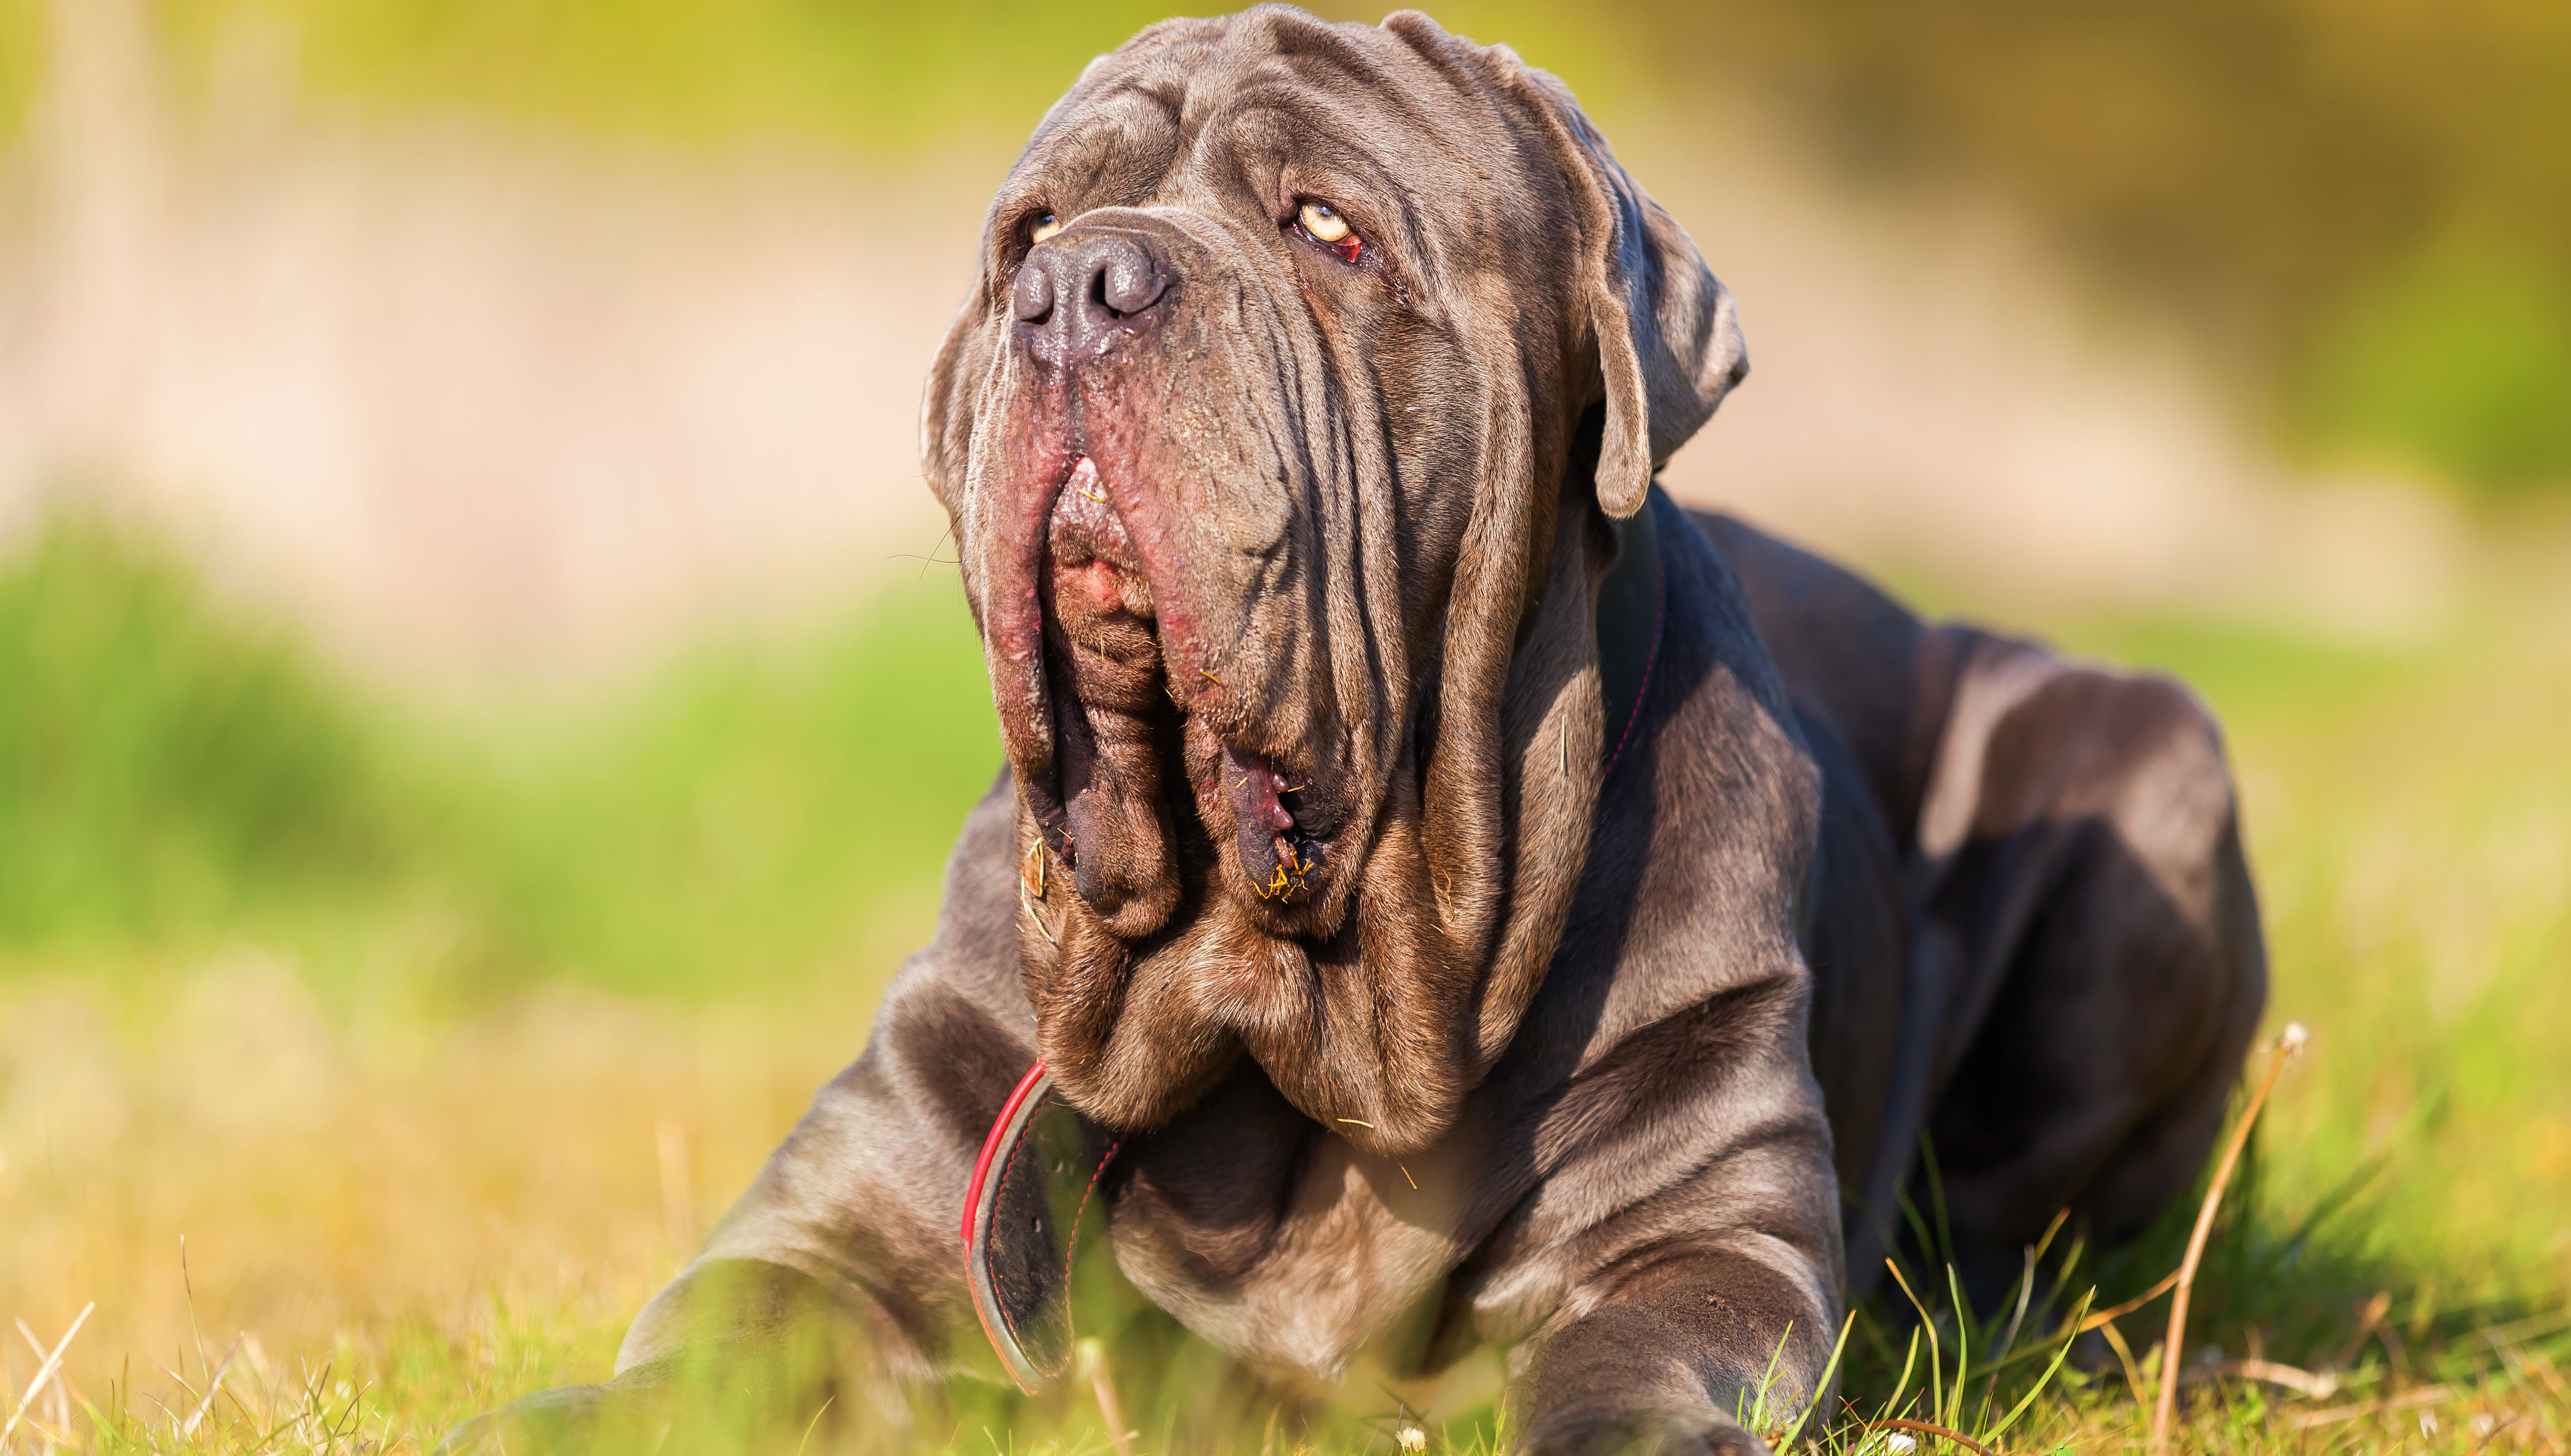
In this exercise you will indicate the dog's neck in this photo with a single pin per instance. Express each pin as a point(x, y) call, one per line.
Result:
point(1013, 1249)
point(1629, 621)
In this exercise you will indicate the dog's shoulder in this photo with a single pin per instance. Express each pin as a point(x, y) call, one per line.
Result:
point(1856, 662)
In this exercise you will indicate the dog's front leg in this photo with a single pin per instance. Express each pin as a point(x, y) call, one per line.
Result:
point(1685, 1345)
point(827, 1292)
point(734, 1345)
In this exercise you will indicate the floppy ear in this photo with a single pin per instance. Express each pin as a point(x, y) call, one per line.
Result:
point(952, 398)
point(1668, 338)
point(946, 404)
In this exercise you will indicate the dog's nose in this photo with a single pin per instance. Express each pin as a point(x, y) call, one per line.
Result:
point(1075, 293)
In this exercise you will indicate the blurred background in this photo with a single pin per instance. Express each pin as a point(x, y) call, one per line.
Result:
point(484, 696)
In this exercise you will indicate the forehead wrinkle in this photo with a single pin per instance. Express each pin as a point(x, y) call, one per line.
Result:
point(1123, 98)
point(1128, 120)
point(1272, 32)
point(1295, 113)
point(1299, 57)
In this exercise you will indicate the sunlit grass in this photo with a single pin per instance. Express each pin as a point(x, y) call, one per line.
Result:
point(436, 1116)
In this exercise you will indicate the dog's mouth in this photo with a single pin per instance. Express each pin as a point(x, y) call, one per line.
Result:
point(1127, 738)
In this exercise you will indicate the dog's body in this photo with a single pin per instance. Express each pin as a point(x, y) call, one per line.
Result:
point(1455, 971)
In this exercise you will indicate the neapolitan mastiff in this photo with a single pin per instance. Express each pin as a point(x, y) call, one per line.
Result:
point(1487, 901)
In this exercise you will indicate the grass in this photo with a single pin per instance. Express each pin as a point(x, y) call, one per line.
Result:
point(162, 771)
point(172, 778)
point(439, 1041)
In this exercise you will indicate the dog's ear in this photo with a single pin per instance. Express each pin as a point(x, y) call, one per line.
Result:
point(950, 399)
point(1668, 337)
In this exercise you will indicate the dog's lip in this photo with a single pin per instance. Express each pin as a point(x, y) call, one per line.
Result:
point(1283, 822)
point(1081, 524)
point(1279, 851)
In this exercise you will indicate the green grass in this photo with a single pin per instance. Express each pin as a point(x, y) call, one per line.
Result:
point(383, 1008)
point(749, 817)
point(172, 775)
point(160, 771)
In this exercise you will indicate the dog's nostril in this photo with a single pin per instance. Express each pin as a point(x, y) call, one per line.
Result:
point(1031, 295)
point(1126, 281)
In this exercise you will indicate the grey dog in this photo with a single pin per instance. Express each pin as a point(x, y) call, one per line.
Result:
point(1492, 905)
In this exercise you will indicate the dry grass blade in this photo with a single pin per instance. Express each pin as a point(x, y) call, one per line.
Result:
point(189, 1427)
point(2290, 1042)
point(2409, 1400)
point(45, 1373)
point(810, 1425)
point(1029, 906)
point(2026, 1281)
point(2301, 1383)
point(2129, 1307)
point(1091, 1357)
point(1928, 1428)
point(2060, 1354)
point(2370, 1318)
point(2125, 1357)
point(1936, 1367)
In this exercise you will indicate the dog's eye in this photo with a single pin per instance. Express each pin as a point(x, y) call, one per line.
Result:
point(1323, 223)
point(1046, 225)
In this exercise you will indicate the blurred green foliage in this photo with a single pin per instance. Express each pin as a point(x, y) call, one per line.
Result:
point(161, 769)
point(2289, 177)
point(2459, 356)
point(2292, 177)
point(747, 816)
point(882, 77)
point(171, 775)
point(22, 42)
point(882, 74)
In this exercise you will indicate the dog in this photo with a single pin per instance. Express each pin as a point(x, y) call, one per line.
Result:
point(1477, 900)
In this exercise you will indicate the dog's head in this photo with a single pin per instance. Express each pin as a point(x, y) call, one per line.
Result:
point(1283, 437)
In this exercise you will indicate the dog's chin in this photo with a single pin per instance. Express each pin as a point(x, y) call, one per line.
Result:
point(1157, 797)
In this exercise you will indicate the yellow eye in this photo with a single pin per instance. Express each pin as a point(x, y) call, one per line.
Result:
point(1047, 225)
point(1324, 223)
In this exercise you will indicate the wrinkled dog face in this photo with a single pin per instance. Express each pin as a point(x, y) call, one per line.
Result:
point(1255, 437)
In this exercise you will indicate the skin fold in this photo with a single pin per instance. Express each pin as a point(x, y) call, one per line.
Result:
point(1441, 995)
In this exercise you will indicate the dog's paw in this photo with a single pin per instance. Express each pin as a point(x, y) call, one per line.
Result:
point(562, 1421)
point(1628, 1430)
